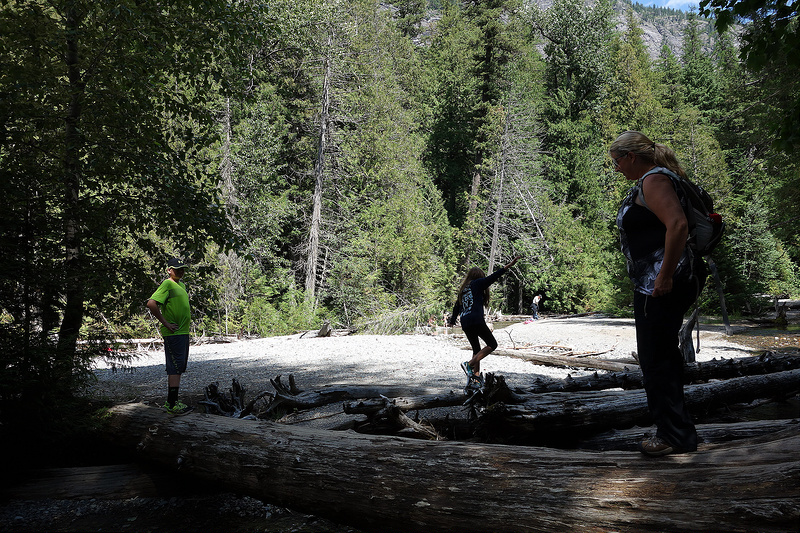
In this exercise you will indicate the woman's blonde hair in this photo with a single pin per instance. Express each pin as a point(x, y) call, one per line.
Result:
point(634, 142)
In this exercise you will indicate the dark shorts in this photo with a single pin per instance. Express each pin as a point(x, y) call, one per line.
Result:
point(176, 348)
point(482, 331)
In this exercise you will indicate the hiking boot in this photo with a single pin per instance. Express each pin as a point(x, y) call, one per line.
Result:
point(655, 446)
point(179, 408)
point(467, 369)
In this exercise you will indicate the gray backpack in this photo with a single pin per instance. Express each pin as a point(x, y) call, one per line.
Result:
point(705, 226)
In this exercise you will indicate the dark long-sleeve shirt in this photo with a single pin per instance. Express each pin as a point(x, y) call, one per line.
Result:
point(469, 304)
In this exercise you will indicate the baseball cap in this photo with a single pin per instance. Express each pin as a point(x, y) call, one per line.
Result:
point(176, 263)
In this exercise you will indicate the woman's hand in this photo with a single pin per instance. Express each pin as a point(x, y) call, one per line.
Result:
point(662, 286)
point(513, 261)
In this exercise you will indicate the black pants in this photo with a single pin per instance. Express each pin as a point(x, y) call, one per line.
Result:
point(658, 322)
point(481, 330)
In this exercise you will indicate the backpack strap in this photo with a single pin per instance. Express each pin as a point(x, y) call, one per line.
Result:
point(656, 170)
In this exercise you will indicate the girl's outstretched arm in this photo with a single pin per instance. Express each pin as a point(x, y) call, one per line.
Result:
point(513, 261)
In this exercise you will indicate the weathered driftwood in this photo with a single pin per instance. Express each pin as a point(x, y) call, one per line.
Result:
point(392, 415)
point(575, 414)
point(567, 361)
point(290, 397)
point(701, 371)
point(428, 401)
point(330, 417)
point(326, 331)
point(627, 439)
point(321, 408)
point(391, 484)
point(233, 404)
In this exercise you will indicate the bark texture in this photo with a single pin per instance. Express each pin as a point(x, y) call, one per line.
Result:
point(386, 484)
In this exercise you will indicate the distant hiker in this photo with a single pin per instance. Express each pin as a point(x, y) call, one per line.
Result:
point(667, 279)
point(472, 297)
point(170, 305)
point(535, 306)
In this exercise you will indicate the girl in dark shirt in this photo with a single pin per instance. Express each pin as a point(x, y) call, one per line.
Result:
point(473, 296)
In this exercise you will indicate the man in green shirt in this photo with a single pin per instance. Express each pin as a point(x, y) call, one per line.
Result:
point(170, 305)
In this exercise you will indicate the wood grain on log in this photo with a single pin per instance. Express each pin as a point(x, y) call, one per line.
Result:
point(694, 372)
point(566, 361)
point(556, 414)
point(627, 439)
point(396, 484)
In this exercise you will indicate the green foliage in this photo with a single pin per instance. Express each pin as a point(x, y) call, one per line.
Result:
point(409, 15)
point(755, 261)
point(105, 128)
point(770, 46)
point(269, 312)
point(697, 74)
point(130, 132)
point(579, 279)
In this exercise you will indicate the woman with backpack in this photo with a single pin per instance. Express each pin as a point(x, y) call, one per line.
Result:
point(667, 279)
point(472, 297)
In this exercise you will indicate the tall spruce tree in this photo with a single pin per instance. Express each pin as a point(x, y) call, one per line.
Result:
point(105, 118)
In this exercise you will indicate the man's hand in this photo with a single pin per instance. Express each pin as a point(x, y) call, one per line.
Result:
point(170, 326)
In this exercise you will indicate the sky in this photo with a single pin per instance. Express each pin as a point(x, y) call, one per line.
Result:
point(683, 5)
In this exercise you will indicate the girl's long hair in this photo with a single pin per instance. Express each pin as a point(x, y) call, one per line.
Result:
point(473, 274)
point(659, 154)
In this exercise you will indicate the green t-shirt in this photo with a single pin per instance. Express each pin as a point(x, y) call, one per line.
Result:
point(173, 300)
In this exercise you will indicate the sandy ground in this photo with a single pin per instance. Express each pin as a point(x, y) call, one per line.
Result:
point(402, 364)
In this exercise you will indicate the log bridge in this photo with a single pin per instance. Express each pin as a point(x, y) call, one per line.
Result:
point(386, 483)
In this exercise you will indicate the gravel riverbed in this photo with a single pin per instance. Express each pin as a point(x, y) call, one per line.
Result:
point(400, 365)
point(404, 364)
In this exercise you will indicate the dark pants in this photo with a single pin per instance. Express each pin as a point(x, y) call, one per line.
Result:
point(481, 330)
point(658, 322)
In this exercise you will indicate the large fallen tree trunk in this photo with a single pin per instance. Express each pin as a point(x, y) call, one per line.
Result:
point(555, 415)
point(702, 371)
point(715, 369)
point(391, 484)
point(567, 361)
point(627, 439)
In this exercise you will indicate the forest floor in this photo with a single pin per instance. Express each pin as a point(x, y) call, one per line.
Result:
point(401, 365)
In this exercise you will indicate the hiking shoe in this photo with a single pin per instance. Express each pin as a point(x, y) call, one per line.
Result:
point(467, 369)
point(655, 446)
point(179, 408)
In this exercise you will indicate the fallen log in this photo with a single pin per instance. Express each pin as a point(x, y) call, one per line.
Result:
point(390, 484)
point(627, 439)
point(567, 361)
point(695, 372)
point(329, 417)
point(429, 401)
point(555, 415)
point(396, 418)
point(291, 398)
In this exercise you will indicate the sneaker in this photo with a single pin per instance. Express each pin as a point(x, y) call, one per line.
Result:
point(179, 408)
point(467, 369)
point(655, 446)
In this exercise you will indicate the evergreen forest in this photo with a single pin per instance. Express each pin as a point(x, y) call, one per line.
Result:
point(322, 160)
